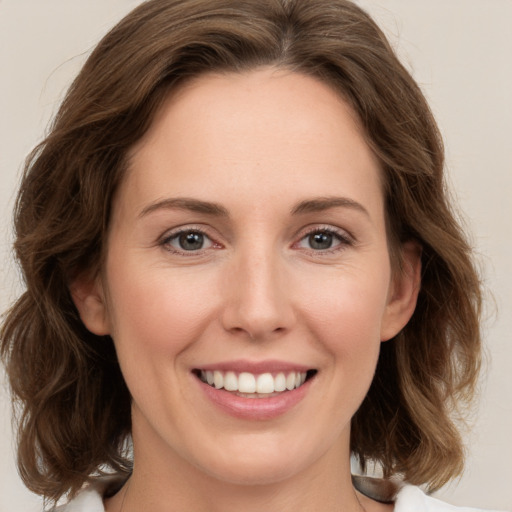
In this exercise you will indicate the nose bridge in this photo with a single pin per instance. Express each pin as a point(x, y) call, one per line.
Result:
point(259, 303)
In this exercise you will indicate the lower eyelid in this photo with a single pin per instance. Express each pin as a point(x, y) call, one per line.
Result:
point(343, 240)
point(167, 239)
point(206, 239)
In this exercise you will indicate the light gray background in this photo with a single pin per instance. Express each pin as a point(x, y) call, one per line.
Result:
point(460, 51)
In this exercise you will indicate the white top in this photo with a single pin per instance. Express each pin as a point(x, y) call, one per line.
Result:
point(408, 499)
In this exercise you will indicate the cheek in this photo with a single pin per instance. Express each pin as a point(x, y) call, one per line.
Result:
point(157, 311)
point(346, 314)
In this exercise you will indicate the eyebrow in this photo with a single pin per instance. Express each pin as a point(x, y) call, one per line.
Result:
point(185, 203)
point(320, 204)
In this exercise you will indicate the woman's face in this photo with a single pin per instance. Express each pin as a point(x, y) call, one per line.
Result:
point(248, 248)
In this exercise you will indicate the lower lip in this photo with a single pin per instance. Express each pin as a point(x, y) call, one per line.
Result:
point(255, 408)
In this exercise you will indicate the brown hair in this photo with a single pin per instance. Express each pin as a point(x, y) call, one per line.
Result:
point(75, 407)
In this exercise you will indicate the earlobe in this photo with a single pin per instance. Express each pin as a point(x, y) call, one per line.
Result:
point(403, 292)
point(89, 299)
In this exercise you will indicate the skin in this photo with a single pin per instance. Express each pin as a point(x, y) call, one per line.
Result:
point(257, 145)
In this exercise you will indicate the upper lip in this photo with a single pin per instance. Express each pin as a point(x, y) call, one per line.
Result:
point(255, 367)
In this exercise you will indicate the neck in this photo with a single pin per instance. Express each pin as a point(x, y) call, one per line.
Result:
point(164, 485)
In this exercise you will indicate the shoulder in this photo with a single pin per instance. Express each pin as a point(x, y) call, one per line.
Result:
point(90, 499)
point(406, 498)
point(413, 498)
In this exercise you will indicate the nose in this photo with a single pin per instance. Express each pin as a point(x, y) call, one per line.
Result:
point(258, 301)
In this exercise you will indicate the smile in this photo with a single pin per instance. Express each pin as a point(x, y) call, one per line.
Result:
point(250, 385)
point(277, 386)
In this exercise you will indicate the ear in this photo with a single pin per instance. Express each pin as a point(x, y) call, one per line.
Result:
point(403, 292)
point(89, 298)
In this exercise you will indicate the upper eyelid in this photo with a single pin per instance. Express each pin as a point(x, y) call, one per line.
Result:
point(345, 238)
point(173, 232)
point(315, 228)
point(214, 237)
point(165, 241)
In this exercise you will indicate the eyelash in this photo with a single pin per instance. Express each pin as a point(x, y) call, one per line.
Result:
point(345, 240)
point(174, 235)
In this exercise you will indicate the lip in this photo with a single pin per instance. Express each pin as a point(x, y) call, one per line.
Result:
point(255, 409)
point(256, 367)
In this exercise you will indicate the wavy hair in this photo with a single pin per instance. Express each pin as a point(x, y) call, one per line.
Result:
point(73, 404)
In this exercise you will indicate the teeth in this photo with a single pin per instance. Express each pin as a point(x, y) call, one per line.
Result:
point(280, 382)
point(230, 382)
point(253, 385)
point(218, 379)
point(265, 383)
point(290, 381)
point(246, 383)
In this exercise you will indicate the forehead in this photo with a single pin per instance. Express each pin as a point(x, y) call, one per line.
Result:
point(268, 127)
point(272, 99)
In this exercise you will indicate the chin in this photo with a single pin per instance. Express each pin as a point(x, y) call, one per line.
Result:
point(264, 465)
point(260, 473)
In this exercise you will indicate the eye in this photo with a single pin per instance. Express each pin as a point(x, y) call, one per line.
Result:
point(324, 240)
point(321, 241)
point(188, 241)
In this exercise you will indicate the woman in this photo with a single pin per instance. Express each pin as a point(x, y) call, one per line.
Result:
point(240, 256)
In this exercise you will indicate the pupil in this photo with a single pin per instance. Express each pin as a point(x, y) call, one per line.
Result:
point(320, 240)
point(191, 241)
